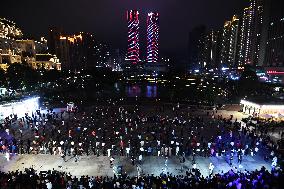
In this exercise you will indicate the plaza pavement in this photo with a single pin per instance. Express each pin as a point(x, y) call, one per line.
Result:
point(100, 166)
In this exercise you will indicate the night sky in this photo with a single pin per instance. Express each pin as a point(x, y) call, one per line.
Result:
point(107, 18)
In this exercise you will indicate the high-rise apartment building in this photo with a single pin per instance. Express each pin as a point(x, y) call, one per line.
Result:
point(195, 47)
point(244, 37)
point(230, 42)
point(274, 38)
point(210, 54)
point(226, 43)
point(251, 30)
point(234, 37)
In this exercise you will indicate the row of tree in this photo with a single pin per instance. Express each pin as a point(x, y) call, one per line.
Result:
point(19, 76)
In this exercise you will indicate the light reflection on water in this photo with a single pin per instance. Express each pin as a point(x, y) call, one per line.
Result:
point(149, 91)
point(133, 91)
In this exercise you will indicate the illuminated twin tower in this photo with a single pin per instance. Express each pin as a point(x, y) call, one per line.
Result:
point(133, 50)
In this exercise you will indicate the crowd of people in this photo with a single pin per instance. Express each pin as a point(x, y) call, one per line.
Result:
point(130, 131)
point(136, 131)
point(30, 179)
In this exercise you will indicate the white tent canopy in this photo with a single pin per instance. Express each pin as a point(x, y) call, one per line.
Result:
point(264, 110)
point(19, 108)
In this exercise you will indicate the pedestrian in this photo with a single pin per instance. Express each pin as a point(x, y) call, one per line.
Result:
point(211, 167)
point(111, 162)
point(132, 160)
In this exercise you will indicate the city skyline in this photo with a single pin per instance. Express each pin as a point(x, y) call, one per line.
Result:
point(177, 18)
point(243, 39)
point(142, 94)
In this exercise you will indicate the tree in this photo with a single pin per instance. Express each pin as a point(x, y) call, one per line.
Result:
point(31, 77)
point(20, 75)
point(248, 83)
point(15, 75)
point(2, 77)
point(51, 75)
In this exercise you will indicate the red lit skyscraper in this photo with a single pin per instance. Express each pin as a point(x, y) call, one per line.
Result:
point(152, 37)
point(133, 36)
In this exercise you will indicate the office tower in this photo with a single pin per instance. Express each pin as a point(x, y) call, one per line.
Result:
point(133, 49)
point(152, 37)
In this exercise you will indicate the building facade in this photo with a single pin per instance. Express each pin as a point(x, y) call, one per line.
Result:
point(251, 31)
point(133, 50)
point(8, 28)
point(274, 50)
point(153, 37)
point(14, 49)
point(234, 38)
point(47, 62)
point(195, 47)
point(78, 51)
point(211, 50)
point(230, 42)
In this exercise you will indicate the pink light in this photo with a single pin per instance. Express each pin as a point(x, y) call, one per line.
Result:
point(152, 37)
point(274, 72)
point(133, 37)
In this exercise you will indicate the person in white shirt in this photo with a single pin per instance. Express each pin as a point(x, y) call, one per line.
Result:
point(166, 162)
point(251, 152)
point(49, 185)
point(140, 158)
point(170, 151)
point(91, 182)
point(111, 162)
point(162, 151)
point(138, 171)
point(177, 150)
point(127, 151)
point(166, 151)
point(211, 167)
point(256, 149)
point(108, 152)
point(194, 166)
point(7, 156)
point(274, 162)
